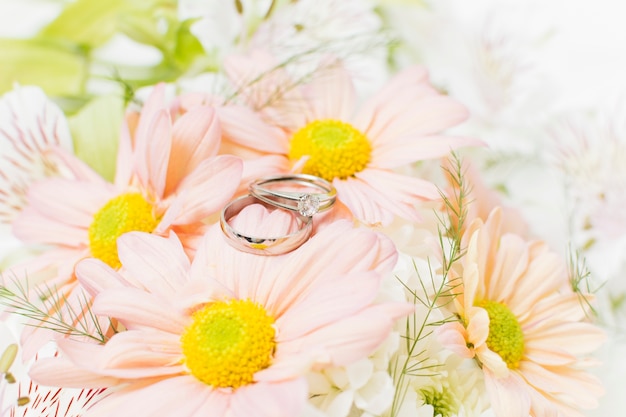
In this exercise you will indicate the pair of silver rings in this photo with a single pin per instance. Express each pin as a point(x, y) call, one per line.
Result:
point(302, 195)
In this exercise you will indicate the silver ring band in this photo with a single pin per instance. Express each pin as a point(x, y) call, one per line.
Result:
point(262, 245)
point(304, 203)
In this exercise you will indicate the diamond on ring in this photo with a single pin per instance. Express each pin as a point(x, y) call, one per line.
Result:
point(308, 205)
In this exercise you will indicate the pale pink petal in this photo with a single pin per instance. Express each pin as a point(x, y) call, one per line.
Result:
point(363, 201)
point(196, 137)
point(228, 271)
point(354, 337)
point(152, 106)
point(181, 396)
point(545, 275)
point(61, 372)
point(206, 190)
point(492, 362)
point(410, 148)
point(96, 276)
point(141, 353)
point(508, 395)
point(289, 365)
point(318, 258)
point(319, 308)
point(137, 309)
point(452, 336)
point(77, 167)
point(81, 200)
point(582, 386)
point(509, 266)
point(478, 326)
point(245, 127)
point(564, 339)
point(262, 166)
point(276, 399)
point(159, 264)
point(31, 226)
point(331, 94)
point(124, 162)
point(428, 116)
point(152, 165)
point(402, 194)
point(550, 310)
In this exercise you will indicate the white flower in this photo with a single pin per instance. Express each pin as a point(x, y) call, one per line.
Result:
point(30, 125)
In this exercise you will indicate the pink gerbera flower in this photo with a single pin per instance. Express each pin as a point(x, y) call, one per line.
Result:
point(324, 134)
point(168, 178)
point(524, 324)
point(230, 333)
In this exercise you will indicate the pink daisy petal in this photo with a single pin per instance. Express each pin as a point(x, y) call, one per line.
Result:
point(245, 127)
point(406, 149)
point(178, 396)
point(125, 158)
point(508, 267)
point(428, 116)
point(507, 396)
point(402, 193)
point(61, 372)
point(137, 309)
point(362, 200)
point(354, 336)
point(139, 353)
point(206, 190)
point(77, 167)
point(452, 336)
point(96, 276)
point(31, 227)
point(195, 137)
point(563, 338)
point(282, 399)
point(318, 259)
point(153, 159)
point(159, 263)
point(331, 95)
point(318, 308)
point(585, 388)
point(141, 136)
point(44, 196)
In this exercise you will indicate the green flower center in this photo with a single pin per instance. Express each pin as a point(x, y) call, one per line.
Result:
point(125, 213)
point(443, 402)
point(505, 333)
point(228, 342)
point(335, 149)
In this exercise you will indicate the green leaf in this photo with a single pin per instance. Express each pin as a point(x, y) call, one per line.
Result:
point(95, 131)
point(188, 47)
point(86, 22)
point(54, 66)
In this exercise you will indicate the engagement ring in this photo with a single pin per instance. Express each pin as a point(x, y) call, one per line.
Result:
point(278, 191)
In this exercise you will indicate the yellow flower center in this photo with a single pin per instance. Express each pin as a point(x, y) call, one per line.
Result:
point(228, 342)
point(335, 149)
point(505, 333)
point(124, 213)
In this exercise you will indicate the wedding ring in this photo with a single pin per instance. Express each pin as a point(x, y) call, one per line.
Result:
point(304, 203)
point(275, 245)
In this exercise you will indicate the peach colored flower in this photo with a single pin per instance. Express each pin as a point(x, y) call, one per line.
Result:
point(524, 324)
point(168, 178)
point(324, 134)
point(229, 333)
point(480, 200)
